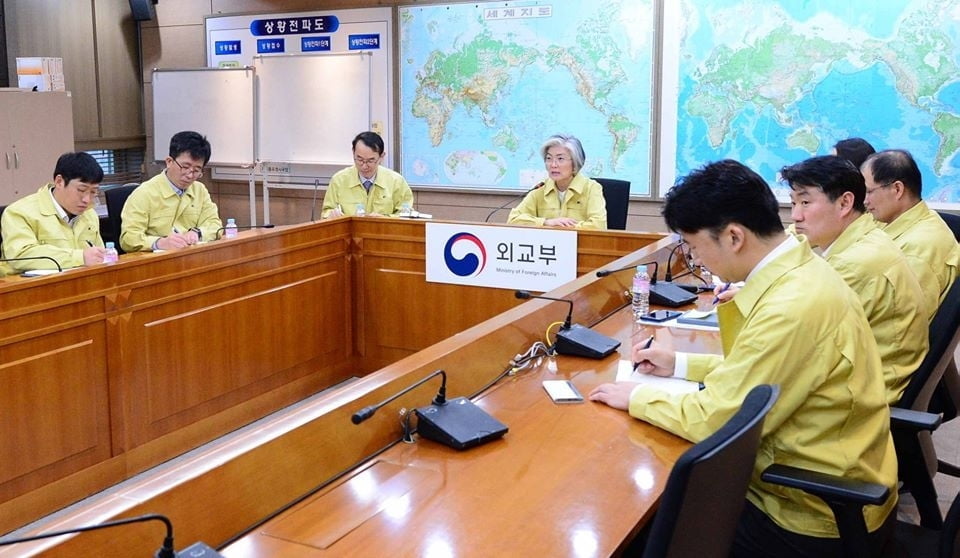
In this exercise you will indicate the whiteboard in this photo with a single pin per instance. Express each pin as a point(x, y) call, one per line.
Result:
point(311, 106)
point(215, 102)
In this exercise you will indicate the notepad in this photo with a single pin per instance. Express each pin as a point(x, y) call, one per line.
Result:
point(700, 318)
point(625, 373)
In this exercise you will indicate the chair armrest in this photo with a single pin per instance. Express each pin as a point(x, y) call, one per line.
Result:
point(910, 420)
point(829, 488)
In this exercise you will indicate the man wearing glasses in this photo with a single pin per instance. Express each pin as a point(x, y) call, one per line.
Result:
point(893, 197)
point(172, 210)
point(366, 188)
point(59, 221)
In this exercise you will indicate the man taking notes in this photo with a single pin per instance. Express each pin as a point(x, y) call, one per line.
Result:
point(58, 221)
point(795, 323)
point(893, 197)
point(827, 195)
point(172, 210)
point(375, 189)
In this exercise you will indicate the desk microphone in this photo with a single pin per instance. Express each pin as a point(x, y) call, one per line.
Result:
point(457, 423)
point(511, 200)
point(661, 294)
point(566, 323)
point(577, 340)
point(198, 550)
point(313, 204)
point(28, 258)
point(221, 229)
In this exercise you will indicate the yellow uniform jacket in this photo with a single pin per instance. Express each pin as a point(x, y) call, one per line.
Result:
point(387, 194)
point(583, 202)
point(153, 210)
point(795, 323)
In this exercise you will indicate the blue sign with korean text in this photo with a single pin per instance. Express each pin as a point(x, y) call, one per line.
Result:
point(314, 44)
point(294, 25)
point(269, 46)
point(368, 41)
point(226, 47)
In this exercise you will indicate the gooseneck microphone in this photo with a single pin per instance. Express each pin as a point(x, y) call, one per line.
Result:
point(313, 204)
point(575, 339)
point(221, 229)
point(653, 276)
point(527, 294)
point(440, 399)
point(664, 293)
point(165, 551)
point(28, 258)
point(511, 200)
point(457, 423)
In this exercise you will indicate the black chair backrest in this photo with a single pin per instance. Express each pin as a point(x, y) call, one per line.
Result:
point(707, 487)
point(616, 193)
point(952, 221)
point(944, 336)
point(116, 197)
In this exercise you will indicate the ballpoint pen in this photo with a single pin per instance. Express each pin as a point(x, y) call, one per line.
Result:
point(716, 299)
point(645, 346)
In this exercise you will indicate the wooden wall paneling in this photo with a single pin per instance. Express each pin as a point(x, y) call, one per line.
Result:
point(65, 30)
point(118, 70)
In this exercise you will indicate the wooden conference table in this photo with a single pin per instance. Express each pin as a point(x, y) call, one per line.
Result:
point(119, 368)
point(567, 480)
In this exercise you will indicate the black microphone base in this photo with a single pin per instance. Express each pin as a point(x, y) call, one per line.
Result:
point(668, 294)
point(459, 424)
point(584, 342)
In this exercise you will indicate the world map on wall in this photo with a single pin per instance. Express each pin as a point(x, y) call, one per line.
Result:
point(771, 83)
point(483, 85)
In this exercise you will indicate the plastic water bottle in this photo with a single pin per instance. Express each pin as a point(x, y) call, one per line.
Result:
point(110, 255)
point(230, 231)
point(641, 292)
point(361, 211)
point(406, 210)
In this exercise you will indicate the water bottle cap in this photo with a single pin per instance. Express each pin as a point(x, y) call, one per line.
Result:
point(231, 221)
point(109, 245)
point(641, 269)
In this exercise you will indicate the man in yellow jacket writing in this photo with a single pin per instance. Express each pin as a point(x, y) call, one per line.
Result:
point(57, 226)
point(796, 324)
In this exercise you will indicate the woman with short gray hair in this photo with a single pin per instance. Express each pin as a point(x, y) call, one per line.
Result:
point(567, 198)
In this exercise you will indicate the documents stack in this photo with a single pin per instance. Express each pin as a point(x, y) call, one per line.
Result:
point(40, 73)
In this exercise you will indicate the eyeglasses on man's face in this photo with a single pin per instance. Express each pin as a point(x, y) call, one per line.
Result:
point(189, 170)
point(872, 190)
point(366, 162)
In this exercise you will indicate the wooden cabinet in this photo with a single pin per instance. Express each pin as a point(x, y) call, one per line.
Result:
point(35, 129)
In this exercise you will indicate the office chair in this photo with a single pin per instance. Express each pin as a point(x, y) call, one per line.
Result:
point(915, 453)
point(846, 499)
point(116, 197)
point(707, 487)
point(616, 194)
point(952, 221)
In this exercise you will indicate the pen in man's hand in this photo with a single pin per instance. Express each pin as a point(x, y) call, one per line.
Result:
point(716, 299)
point(645, 346)
point(90, 244)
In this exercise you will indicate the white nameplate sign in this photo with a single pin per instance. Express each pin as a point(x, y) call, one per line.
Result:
point(502, 257)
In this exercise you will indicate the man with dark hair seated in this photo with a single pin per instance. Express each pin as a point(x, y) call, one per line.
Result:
point(173, 209)
point(796, 324)
point(894, 188)
point(59, 221)
point(827, 195)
